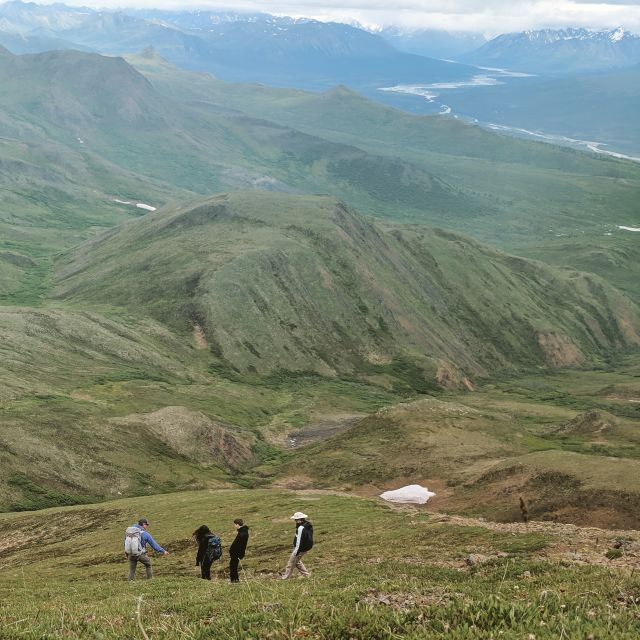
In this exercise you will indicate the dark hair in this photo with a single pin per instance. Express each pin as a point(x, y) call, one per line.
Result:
point(239, 521)
point(201, 532)
point(143, 521)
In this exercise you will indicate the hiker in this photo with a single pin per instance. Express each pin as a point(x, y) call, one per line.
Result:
point(302, 542)
point(209, 549)
point(238, 548)
point(135, 547)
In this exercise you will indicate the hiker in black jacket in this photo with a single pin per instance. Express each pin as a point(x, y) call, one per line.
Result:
point(302, 542)
point(238, 548)
point(204, 557)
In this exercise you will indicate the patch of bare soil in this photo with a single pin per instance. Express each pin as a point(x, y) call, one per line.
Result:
point(326, 427)
point(449, 377)
point(590, 423)
point(568, 543)
point(199, 338)
point(559, 350)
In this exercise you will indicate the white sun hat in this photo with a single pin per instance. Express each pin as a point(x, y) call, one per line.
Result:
point(298, 515)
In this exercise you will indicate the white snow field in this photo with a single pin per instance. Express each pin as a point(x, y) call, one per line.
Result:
point(412, 493)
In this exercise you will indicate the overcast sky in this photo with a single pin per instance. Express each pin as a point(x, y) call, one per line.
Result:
point(489, 16)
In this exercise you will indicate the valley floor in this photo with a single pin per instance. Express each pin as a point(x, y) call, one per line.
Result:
point(377, 572)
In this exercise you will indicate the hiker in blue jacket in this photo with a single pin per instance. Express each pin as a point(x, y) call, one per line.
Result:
point(145, 539)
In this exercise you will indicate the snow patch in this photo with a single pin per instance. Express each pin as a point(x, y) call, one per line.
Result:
point(412, 493)
point(139, 205)
point(628, 228)
point(617, 35)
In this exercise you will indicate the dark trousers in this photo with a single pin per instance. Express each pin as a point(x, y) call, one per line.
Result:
point(133, 564)
point(233, 569)
point(205, 569)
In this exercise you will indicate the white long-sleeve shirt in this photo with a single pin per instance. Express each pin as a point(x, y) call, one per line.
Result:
point(298, 539)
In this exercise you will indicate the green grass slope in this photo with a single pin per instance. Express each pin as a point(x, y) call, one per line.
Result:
point(377, 572)
point(304, 283)
point(95, 405)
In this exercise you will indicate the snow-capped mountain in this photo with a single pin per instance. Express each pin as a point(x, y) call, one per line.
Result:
point(25, 17)
point(559, 51)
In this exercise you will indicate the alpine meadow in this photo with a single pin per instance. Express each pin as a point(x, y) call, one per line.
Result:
point(258, 270)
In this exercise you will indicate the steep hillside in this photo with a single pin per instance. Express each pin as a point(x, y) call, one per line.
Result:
point(85, 138)
point(305, 283)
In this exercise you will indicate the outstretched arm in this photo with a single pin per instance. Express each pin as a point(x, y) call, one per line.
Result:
point(154, 545)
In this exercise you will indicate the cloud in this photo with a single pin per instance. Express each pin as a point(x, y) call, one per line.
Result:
point(489, 16)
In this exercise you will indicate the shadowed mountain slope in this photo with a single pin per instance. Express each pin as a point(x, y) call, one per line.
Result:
point(305, 283)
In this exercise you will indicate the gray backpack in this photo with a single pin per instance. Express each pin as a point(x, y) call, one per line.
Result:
point(133, 541)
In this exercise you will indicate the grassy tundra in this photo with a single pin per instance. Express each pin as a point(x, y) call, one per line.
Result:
point(377, 572)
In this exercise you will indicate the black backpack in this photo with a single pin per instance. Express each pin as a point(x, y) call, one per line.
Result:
point(214, 547)
point(306, 542)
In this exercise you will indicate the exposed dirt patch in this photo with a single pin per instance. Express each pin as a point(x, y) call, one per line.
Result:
point(559, 350)
point(199, 338)
point(567, 542)
point(448, 377)
point(324, 428)
point(590, 423)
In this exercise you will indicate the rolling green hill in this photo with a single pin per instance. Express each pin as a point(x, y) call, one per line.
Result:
point(304, 283)
point(91, 131)
point(568, 443)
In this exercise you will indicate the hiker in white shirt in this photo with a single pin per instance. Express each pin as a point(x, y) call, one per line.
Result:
point(302, 542)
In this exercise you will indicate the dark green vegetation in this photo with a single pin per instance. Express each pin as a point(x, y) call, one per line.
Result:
point(306, 284)
point(376, 573)
point(534, 199)
point(182, 349)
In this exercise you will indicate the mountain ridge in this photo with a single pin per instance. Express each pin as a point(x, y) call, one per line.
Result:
point(559, 51)
point(315, 280)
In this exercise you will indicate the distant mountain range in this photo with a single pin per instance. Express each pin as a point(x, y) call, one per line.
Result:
point(560, 51)
point(253, 48)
